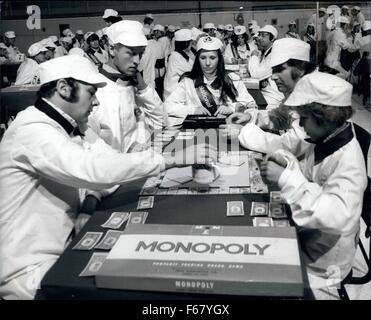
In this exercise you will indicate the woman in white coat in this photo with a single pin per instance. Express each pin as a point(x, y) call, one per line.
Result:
point(180, 61)
point(239, 48)
point(207, 89)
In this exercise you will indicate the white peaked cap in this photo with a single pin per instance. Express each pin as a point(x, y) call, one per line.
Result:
point(268, 28)
point(221, 27)
point(9, 34)
point(88, 34)
point(322, 88)
point(79, 32)
point(209, 43)
point(47, 43)
point(253, 22)
point(53, 38)
point(255, 29)
point(209, 25)
point(344, 7)
point(195, 33)
point(171, 28)
point(66, 39)
point(289, 48)
point(110, 13)
point(35, 49)
point(183, 35)
point(239, 30)
point(127, 32)
point(77, 52)
point(366, 25)
point(159, 27)
point(149, 15)
point(147, 31)
point(343, 19)
point(357, 8)
point(292, 22)
point(229, 27)
point(71, 66)
point(67, 32)
point(322, 9)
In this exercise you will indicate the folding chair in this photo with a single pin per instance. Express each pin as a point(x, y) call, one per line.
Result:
point(363, 137)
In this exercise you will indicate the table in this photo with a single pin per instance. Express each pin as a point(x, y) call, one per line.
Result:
point(62, 280)
point(15, 99)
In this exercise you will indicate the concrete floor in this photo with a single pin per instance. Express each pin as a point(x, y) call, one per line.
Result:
point(361, 292)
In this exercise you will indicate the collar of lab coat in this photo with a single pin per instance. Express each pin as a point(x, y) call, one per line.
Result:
point(216, 84)
point(183, 54)
point(45, 107)
point(113, 76)
point(324, 149)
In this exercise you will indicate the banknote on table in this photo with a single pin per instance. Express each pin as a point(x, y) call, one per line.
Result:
point(235, 208)
point(145, 202)
point(281, 223)
point(263, 222)
point(88, 241)
point(116, 220)
point(275, 196)
point(259, 209)
point(148, 191)
point(137, 217)
point(94, 264)
point(277, 211)
point(109, 239)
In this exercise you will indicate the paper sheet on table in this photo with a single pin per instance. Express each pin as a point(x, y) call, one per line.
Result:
point(176, 176)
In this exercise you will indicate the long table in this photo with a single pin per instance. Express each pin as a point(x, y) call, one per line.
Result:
point(63, 281)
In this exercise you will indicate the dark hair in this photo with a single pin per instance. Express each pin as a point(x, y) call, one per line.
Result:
point(93, 37)
point(305, 66)
point(322, 113)
point(113, 19)
point(147, 20)
point(227, 88)
point(234, 38)
point(181, 45)
point(47, 90)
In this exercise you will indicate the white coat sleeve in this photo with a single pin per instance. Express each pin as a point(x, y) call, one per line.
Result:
point(228, 54)
point(243, 95)
point(55, 156)
point(254, 138)
point(152, 106)
point(329, 207)
point(258, 70)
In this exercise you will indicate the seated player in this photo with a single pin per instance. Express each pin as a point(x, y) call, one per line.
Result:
point(325, 189)
point(207, 89)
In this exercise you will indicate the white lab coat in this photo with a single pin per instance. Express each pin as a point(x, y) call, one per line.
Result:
point(148, 61)
point(164, 48)
point(41, 169)
point(114, 119)
point(184, 99)
point(60, 51)
point(14, 55)
point(243, 52)
point(28, 73)
point(176, 66)
point(260, 68)
point(320, 27)
point(325, 200)
point(337, 42)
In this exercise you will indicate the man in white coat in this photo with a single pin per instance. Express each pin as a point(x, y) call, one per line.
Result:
point(28, 71)
point(129, 109)
point(13, 53)
point(44, 160)
point(260, 68)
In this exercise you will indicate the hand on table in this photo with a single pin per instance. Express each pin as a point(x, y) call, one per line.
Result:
point(202, 111)
point(271, 171)
point(239, 118)
point(224, 110)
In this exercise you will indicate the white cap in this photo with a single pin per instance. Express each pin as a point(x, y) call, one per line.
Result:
point(254, 30)
point(322, 88)
point(366, 25)
point(71, 66)
point(357, 8)
point(343, 19)
point(229, 27)
point(289, 48)
point(88, 34)
point(159, 27)
point(310, 24)
point(221, 27)
point(292, 22)
point(66, 39)
point(127, 32)
point(322, 9)
point(77, 52)
point(209, 43)
point(344, 7)
point(35, 49)
point(253, 22)
point(195, 33)
point(239, 30)
point(99, 33)
point(47, 43)
point(209, 25)
point(270, 29)
point(9, 34)
point(110, 13)
point(149, 15)
point(79, 32)
point(147, 31)
point(53, 38)
point(183, 35)
point(171, 28)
